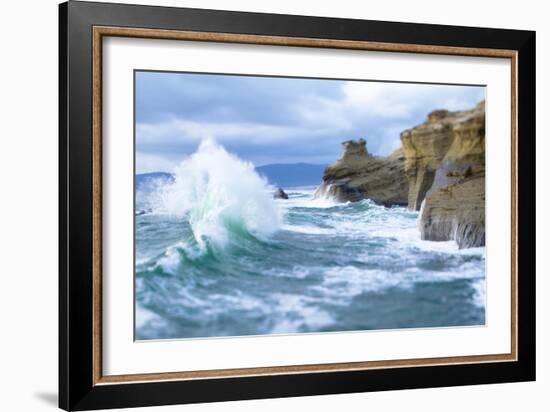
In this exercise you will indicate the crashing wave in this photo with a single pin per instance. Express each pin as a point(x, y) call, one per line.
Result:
point(221, 196)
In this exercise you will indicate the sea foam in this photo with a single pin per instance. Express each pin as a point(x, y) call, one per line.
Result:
point(220, 195)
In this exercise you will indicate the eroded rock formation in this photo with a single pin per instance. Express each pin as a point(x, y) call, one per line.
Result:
point(439, 170)
point(424, 147)
point(454, 207)
point(359, 175)
point(280, 194)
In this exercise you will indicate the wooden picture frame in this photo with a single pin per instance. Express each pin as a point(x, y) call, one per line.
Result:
point(83, 26)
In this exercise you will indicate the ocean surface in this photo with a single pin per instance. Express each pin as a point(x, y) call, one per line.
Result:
point(216, 255)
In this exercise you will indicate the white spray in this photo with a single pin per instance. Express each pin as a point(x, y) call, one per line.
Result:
point(216, 191)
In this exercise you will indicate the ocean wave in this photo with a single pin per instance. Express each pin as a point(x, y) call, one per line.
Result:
point(479, 297)
point(341, 284)
point(145, 317)
point(296, 272)
point(308, 230)
point(295, 313)
point(217, 256)
point(219, 195)
point(304, 199)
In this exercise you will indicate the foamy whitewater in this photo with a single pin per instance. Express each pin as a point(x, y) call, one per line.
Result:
point(216, 255)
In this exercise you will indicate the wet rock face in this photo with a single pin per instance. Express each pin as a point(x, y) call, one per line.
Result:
point(280, 194)
point(359, 175)
point(455, 212)
point(454, 205)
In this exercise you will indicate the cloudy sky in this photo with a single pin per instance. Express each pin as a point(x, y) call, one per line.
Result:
point(278, 120)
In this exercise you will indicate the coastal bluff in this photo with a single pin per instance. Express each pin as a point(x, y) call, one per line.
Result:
point(439, 170)
point(359, 175)
point(454, 206)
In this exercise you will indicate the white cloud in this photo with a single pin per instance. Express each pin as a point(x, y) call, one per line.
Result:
point(389, 138)
point(380, 99)
point(179, 130)
point(147, 162)
point(386, 104)
point(375, 111)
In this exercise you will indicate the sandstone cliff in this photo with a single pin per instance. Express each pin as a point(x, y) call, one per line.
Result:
point(359, 175)
point(424, 147)
point(439, 170)
point(445, 164)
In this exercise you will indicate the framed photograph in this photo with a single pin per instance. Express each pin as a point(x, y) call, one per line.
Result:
point(256, 205)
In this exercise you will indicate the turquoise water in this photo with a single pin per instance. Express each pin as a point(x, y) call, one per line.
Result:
point(353, 266)
point(217, 256)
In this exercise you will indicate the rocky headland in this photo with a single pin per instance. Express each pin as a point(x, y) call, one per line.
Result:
point(359, 175)
point(439, 169)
